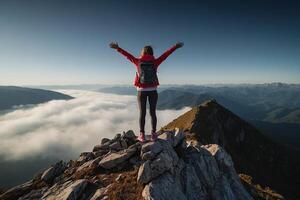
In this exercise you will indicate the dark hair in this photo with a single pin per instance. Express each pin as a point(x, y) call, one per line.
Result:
point(148, 50)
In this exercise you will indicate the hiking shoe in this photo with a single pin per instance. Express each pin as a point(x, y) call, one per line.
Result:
point(153, 136)
point(141, 137)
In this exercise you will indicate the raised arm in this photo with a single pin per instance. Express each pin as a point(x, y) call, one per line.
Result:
point(168, 52)
point(123, 52)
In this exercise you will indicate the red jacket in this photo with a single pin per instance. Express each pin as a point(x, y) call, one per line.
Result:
point(136, 61)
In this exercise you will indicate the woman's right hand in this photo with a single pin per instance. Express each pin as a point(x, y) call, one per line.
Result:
point(114, 45)
point(179, 44)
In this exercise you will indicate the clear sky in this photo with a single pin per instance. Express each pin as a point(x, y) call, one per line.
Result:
point(66, 42)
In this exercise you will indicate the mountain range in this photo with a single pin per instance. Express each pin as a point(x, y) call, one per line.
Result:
point(12, 96)
point(206, 153)
point(273, 108)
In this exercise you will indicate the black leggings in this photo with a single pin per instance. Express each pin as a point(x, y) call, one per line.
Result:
point(142, 101)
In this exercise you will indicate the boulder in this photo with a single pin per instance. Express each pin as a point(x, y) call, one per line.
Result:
point(129, 135)
point(165, 159)
point(90, 164)
point(163, 187)
point(100, 153)
point(124, 144)
point(70, 190)
point(104, 140)
point(115, 158)
point(16, 192)
point(85, 156)
point(54, 171)
point(104, 146)
point(178, 137)
point(115, 146)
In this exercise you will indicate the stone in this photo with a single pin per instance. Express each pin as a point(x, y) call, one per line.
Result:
point(154, 147)
point(151, 169)
point(167, 136)
point(119, 177)
point(54, 171)
point(221, 156)
point(115, 145)
point(178, 137)
point(117, 137)
point(163, 187)
point(135, 161)
point(129, 135)
point(104, 146)
point(98, 195)
point(115, 158)
point(123, 144)
point(90, 164)
point(18, 191)
point(85, 156)
point(100, 153)
point(104, 140)
point(34, 194)
point(68, 191)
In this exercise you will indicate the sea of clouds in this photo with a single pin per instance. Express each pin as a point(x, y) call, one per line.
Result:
point(64, 128)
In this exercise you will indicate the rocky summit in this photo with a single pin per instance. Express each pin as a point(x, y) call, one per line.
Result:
point(175, 167)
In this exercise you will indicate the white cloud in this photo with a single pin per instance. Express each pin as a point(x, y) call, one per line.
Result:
point(62, 129)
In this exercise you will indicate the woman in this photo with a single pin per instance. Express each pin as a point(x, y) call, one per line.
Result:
point(146, 83)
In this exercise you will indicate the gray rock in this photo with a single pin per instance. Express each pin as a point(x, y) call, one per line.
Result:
point(167, 136)
point(100, 153)
point(85, 156)
point(162, 188)
point(68, 191)
point(54, 171)
point(117, 137)
point(129, 135)
point(164, 161)
point(135, 161)
point(18, 191)
point(206, 172)
point(154, 147)
point(178, 137)
point(104, 146)
point(115, 146)
point(90, 164)
point(104, 140)
point(124, 144)
point(34, 194)
point(115, 158)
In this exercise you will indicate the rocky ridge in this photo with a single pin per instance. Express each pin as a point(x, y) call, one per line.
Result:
point(173, 167)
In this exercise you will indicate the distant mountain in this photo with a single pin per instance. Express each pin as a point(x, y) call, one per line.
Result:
point(177, 99)
point(252, 152)
point(14, 96)
point(264, 105)
point(272, 102)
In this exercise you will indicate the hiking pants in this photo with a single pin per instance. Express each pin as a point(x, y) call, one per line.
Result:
point(142, 102)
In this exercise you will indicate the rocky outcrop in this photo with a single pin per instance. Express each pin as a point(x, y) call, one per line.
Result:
point(174, 167)
point(199, 172)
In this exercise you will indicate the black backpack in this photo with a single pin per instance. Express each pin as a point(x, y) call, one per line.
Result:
point(147, 72)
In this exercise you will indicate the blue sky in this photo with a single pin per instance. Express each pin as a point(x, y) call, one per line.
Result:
point(66, 42)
